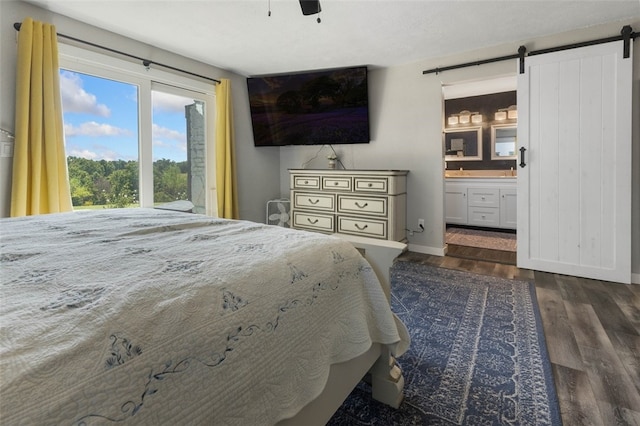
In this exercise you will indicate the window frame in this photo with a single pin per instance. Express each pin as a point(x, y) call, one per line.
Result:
point(84, 61)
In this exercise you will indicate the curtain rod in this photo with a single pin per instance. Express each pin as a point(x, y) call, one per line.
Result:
point(626, 34)
point(145, 62)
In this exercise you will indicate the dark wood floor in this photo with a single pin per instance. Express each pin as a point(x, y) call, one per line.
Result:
point(592, 331)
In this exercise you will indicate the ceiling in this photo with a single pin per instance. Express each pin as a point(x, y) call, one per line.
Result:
point(240, 36)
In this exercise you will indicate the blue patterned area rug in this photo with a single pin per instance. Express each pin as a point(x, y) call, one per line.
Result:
point(477, 355)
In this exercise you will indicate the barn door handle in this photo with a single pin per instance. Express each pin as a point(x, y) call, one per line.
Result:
point(522, 150)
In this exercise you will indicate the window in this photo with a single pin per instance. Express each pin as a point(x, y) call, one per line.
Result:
point(179, 147)
point(135, 137)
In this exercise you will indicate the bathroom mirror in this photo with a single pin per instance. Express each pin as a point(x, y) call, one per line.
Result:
point(463, 144)
point(504, 141)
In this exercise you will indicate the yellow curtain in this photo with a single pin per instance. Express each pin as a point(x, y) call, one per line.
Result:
point(226, 185)
point(40, 182)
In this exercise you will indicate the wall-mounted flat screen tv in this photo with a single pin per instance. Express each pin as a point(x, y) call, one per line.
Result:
point(311, 108)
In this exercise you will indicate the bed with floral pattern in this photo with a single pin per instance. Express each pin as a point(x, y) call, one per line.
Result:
point(146, 316)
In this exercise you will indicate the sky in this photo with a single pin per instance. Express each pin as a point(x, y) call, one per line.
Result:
point(101, 119)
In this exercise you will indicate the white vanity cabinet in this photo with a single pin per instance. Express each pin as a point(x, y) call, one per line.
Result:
point(485, 202)
point(508, 209)
point(455, 199)
point(366, 203)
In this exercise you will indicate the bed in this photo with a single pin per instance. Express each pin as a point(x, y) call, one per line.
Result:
point(147, 316)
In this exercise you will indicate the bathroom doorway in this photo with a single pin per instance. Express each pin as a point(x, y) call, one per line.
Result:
point(480, 169)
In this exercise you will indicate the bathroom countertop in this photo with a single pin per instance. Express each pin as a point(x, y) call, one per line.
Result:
point(481, 174)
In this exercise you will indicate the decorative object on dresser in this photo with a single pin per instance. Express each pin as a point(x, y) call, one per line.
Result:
point(366, 203)
point(332, 160)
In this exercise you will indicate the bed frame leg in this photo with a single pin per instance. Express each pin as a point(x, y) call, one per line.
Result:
point(387, 381)
point(386, 377)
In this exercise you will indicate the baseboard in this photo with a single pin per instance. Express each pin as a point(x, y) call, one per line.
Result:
point(427, 250)
point(635, 278)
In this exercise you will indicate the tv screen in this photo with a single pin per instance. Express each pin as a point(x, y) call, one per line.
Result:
point(312, 108)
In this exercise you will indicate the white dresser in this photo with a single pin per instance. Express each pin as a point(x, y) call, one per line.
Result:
point(366, 203)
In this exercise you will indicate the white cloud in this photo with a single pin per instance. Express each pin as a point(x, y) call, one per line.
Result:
point(96, 153)
point(91, 128)
point(76, 99)
point(83, 153)
point(169, 139)
point(169, 103)
point(160, 132)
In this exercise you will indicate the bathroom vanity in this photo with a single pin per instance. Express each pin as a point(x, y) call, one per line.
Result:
point(485, 198)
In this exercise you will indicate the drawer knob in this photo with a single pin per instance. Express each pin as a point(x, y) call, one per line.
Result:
point(483, 198)
point(313, 222)
point(363, 206)
point(306, 182)
point(370, 185)
point(335, 183)
point(362, 228)
point(313, 202)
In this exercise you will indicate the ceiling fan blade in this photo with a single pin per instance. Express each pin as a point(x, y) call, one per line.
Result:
point(309, 7)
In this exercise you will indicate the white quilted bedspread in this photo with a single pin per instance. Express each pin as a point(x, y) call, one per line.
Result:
point(146, 316)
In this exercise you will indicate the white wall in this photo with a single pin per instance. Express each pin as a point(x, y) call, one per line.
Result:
point(406, 121)
point(252, 162)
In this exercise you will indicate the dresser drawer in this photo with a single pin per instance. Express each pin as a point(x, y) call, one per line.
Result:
point(371, 228)
point(318, 201)
point(483, 197)
point(484, 216)
point(306, 182)
point(362, 205)
point(365, 184)
point(313, 221)
point(333, 183)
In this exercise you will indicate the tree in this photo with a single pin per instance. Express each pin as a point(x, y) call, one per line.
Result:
point(122, 194)
point(116, 183)
point(80, 192)
point(170, 183)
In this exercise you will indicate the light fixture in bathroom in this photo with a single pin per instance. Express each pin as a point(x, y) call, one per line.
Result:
point(512, 112)
point(501, 114)
point(465, 117)
point(476, 118)
point(453, 119)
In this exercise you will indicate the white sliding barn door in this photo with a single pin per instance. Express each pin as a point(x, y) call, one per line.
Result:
point(574, 193)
